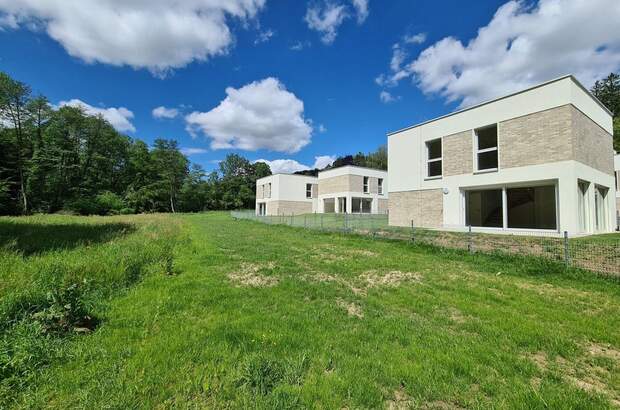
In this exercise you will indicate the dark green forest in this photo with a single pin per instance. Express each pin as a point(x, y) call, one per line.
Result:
point(63, 160)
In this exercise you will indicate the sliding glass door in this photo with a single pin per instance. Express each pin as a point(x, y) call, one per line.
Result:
point(514, 208)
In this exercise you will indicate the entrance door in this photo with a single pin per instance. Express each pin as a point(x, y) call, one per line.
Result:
point(262, 209)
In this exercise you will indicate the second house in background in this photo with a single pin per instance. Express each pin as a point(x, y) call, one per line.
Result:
point(347, 189)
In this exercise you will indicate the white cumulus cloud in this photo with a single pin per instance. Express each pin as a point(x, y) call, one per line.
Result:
point(164, 112)
point(159, 35)
point(120, 118)
point(264, 36)
point(387, 97)
point(361, 9)
point(289, 166)
point(522, 45)
point(193, 151)
point(260, 115)
point(327, 16)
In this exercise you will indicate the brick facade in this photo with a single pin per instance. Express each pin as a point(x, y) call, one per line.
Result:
point(342, 183)
point(592, 145)
point(424, 208)
point(288, 207)
point(457, 154)
point(537, 138)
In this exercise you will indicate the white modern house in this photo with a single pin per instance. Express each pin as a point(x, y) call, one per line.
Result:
point(539, 160)
point(347, 189)
point(286, 194)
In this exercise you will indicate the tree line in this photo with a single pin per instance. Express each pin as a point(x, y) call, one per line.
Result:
point(62, 159)
point(607, 91)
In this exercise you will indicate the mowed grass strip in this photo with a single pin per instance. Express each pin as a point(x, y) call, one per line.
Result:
point(263, 316)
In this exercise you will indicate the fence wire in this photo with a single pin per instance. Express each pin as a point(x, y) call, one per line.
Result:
point(600, 255)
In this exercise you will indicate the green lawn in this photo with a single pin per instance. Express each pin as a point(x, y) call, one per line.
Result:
point(202, 311)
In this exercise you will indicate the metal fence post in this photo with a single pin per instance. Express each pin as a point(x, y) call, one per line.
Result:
point(291, 219)
point(412, 232)
point(305, 223)
point(566, 250)
point(344, 222)
point(321, 221)
point(470, 239)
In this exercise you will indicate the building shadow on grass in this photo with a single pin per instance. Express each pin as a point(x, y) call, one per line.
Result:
point(33, 238)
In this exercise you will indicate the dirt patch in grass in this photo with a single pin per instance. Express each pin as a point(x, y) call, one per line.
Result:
point(367, 280)
point(440, 405)
point(351, 308)
point(546, 289)
point(332, 253)
point(250, 274)
point(400, 401)
point(597, 349)
point(392, 278)
point(457, 316)
point(581, 372)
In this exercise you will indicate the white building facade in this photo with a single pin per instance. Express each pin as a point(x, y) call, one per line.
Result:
point(353, 190)
point(540, 160)
point(347, 189)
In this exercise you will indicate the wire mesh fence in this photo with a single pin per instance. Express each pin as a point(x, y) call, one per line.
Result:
point(601, 255)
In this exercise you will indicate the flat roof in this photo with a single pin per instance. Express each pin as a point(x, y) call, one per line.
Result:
point(504, 97)
point(325, 170)
point(353, 166)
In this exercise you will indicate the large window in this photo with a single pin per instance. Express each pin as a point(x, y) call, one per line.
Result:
point(433, 161)
point(531, 208)
point(515, 208)
point(600, 208)
point(366, 188)
point(308, 190)
point(486, 148)
point(582, 205)
point(484, 208)
point(380, 186)
point(361, 205)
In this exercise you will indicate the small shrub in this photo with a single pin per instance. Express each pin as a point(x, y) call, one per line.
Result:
point(109, 203)
point(126, 211)
point(261, 374)
point(84, 206)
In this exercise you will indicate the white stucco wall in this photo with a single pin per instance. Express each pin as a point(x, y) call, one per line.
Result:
point(288, 187)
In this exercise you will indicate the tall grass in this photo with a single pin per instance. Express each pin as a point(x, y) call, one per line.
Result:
point(56, 275)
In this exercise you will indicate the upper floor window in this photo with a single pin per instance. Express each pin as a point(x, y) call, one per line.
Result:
point(308, 190)
point(433, 158)
point(486, 148)
point(366, 187)
point(380, 186)
point(268, 191)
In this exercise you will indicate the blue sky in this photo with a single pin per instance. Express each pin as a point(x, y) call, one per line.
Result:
point(359, 68)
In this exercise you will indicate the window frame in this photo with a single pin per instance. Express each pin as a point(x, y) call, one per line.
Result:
point(430, 160)
point(308, 191)
point(504, 189)
point(366, 185)
point(478, 151)
point(379, 186)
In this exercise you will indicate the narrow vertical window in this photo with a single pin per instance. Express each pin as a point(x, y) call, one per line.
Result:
point(380, 186)
point(433, 161)
point(366, 189)
point(486, 148)
point(308, 191)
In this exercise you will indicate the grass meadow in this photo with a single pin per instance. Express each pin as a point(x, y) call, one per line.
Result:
point(202, 311)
